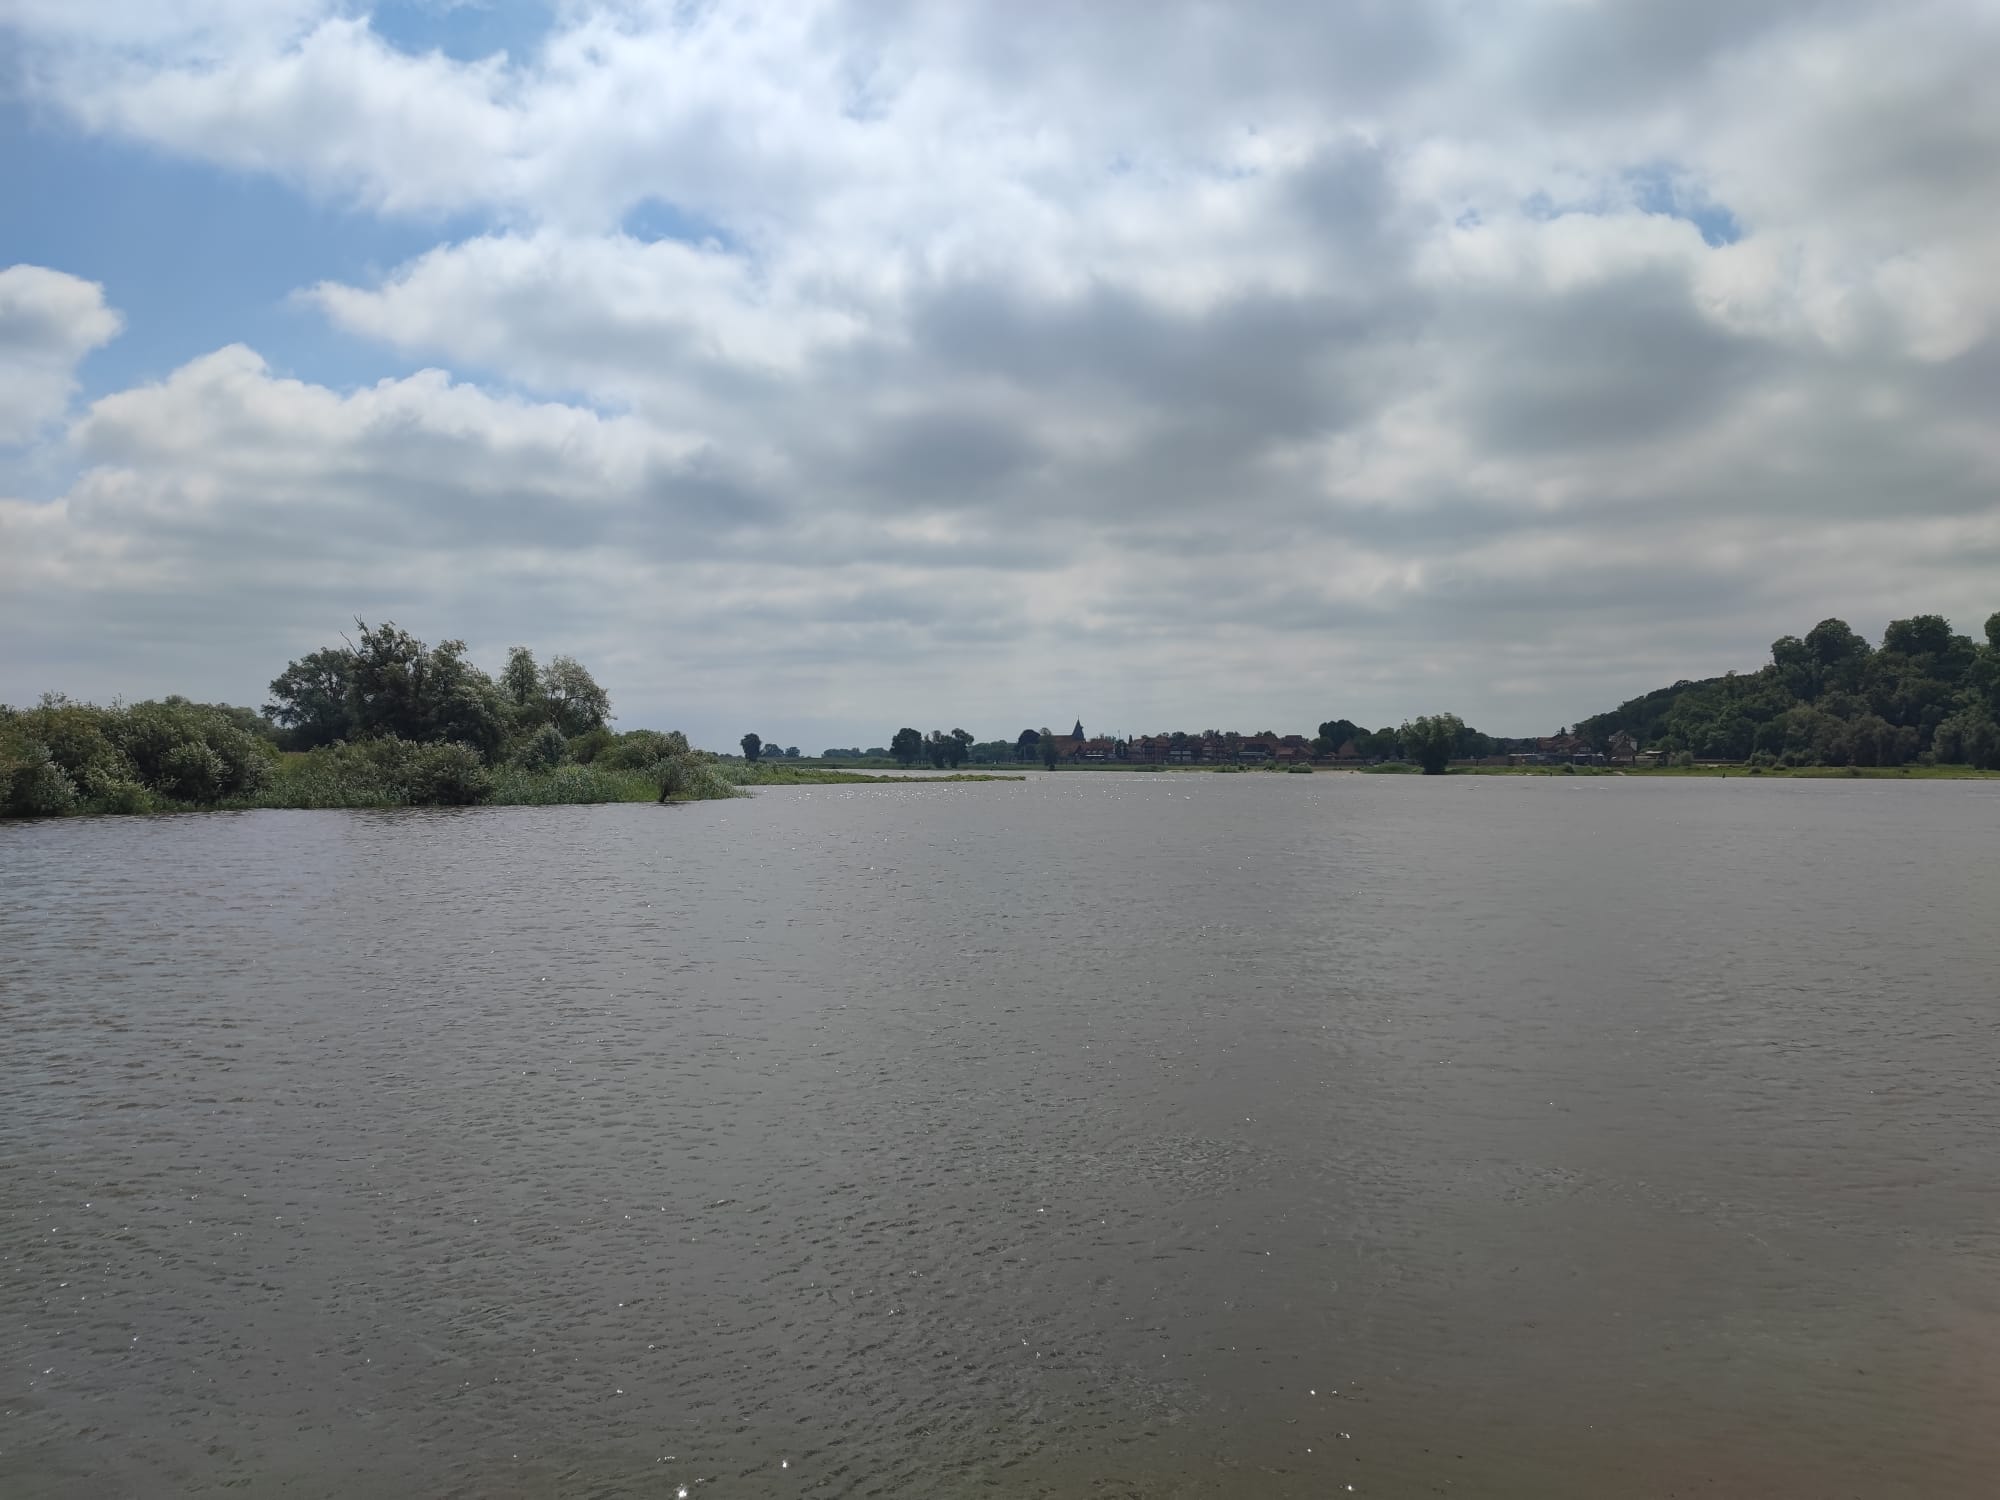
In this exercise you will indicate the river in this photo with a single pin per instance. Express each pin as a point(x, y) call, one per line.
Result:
point(1094, 1135)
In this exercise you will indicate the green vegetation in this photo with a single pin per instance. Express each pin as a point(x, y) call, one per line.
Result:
point(1431, 740)
point(766, 774)
point(1925, 696)
point(1344, 735)
point(387, 722)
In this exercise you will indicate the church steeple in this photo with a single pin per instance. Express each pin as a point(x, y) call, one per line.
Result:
point(1077, 733)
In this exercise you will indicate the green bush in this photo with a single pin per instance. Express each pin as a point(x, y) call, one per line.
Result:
point(189, 752)
point(107, 792)
point(32, 785)
point(682, 778)
point(641, 749)
point(544, 750)
point(448, 775)
point(191, 772)
point(516, 786)
point(586, 747)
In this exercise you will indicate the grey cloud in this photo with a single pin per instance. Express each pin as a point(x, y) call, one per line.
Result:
point(1627, 361)
point(1182, 365)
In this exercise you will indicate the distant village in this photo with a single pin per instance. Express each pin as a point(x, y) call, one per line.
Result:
point(1213, 747)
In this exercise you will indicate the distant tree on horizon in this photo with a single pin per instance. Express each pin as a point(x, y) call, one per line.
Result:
point(1432, 739)
point(753, 746)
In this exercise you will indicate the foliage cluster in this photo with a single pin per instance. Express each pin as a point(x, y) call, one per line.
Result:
point(62, 757)
point(390, 684)
point(944, 749)
point(1395, 744)
point(1924, 695)
point(387, 722)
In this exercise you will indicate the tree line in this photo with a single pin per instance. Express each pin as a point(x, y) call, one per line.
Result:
point(1925, 695)
point(382, 720)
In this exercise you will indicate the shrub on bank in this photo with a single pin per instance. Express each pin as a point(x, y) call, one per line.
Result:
point(62, 757)
point(517, 786)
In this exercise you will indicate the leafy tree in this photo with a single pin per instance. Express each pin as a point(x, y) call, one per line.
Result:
point(1828, 699)
point(753, 746)
point(961, 746)
point(1381, 744)
point(63, 756)
point(791, 752)
point(1969, 737)
point(585, 748)
point(311, 697)
point(188, 751)
point(544, 750)
point(638, 749)
point(1838, 653)
point(32, 785)
point(1336, 732)
point(906, 746)
point(1921, 635)
point(576, 703)
point(1027, 743)
point(1431, 740)
point(1047, 742)
point(400, 687)
point(521, 681)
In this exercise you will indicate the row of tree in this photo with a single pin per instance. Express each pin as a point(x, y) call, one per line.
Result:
point(1401, 742)
point(944, 749)
point(389, 683)
point(1830, 698)
point(1430, 741)
point(383, 718)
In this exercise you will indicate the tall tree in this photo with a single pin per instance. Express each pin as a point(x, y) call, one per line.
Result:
point(1030, 740)
point(753, 746)
point(521, 680)
point(402, 687)
point(577, 704)
point(907, 745)
point(1431, 739)
point(1048, 744)
point(310, 697)
point(1336, 732)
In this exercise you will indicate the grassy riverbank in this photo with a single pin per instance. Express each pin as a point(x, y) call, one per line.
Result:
point(791, 774)
point(1768, 773)
point(64, 758)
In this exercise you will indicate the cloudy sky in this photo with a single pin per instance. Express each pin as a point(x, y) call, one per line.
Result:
point(820, 368)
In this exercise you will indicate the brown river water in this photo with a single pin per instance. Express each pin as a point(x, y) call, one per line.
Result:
point(1095, 1135)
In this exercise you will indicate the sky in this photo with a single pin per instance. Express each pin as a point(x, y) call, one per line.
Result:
point(820, 368)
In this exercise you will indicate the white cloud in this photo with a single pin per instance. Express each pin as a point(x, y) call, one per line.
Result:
point(48, 322)
point(1376, 342)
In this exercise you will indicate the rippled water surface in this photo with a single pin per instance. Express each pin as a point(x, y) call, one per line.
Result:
point(1090, 1136)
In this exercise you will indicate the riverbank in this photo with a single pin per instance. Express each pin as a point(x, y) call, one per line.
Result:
point(1780, 773)
point(308, 781)
point(788, 774)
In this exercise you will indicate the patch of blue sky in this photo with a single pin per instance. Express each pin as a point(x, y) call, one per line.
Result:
point(1658, 189)
point(653, 219)
point(1652, 189)
point(467, 30)
point(194, 256)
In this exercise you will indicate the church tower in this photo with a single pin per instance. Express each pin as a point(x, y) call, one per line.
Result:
point(1077, 733)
